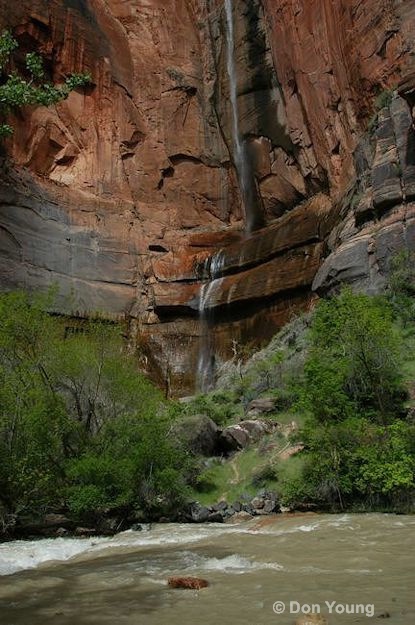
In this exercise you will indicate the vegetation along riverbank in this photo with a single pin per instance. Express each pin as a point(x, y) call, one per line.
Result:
point(321, 419)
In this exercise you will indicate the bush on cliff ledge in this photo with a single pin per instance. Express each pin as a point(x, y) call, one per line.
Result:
point(29, 87)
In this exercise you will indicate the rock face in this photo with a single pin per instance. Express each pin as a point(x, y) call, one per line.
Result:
point(381, 216)
point(120, 194)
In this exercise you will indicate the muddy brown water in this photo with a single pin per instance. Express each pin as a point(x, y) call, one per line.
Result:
point(351, 565)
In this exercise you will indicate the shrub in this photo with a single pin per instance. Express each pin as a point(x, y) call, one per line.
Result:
point(354, 361)
point(400, 288)
point(220, 406)
point(78, 423)
point(264, 474)
point(16, 90)
point(359, 447)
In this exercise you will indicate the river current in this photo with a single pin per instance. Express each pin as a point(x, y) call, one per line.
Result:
point(352, 568)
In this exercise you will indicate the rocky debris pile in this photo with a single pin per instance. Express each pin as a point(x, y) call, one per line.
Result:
point(245, 508)
point(58, 525)
point(202, 436)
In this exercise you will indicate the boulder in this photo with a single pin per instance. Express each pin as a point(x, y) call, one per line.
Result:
point(233, 438)
point(239, 436)
point(85, 531)
point(141, 527)
point(285, 509)
point(48, 525)
point(215, 517)
point(199, 434)
point(56, 520)
point(247, 507)
point(258, 503)
point(199, 513)
point(241, 516)
point(265, 502)
point(257, 428)
point(188, 583)
point(237, 506)
point(261, 406)
point(228, 512)
point(220, 507)
point(111, 525)
point(270, 506)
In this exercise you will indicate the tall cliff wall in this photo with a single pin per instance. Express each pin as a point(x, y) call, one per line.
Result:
point(121, 192)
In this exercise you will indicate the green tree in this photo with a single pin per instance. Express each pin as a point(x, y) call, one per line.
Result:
point(33, 421)
point(357, 463)
point(359, 445)
point(96, 378)
point(79, 425)
point(32, 89)
point(354, 364)
point(134, 463)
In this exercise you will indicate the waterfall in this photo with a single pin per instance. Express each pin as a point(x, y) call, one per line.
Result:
point(246, 178)
point(240, 156)
point(213, 267)
point(206, 364)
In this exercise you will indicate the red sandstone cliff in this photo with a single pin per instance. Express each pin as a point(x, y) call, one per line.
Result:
point(119, 193)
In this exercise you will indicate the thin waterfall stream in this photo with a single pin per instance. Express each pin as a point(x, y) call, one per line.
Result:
point(206, 363)
point(240, 156)
point(252, 216)
point(250, 201)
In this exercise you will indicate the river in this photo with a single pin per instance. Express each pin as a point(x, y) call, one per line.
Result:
point(338, 563)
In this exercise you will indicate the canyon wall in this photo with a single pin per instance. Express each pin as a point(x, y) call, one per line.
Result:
point(120, 194)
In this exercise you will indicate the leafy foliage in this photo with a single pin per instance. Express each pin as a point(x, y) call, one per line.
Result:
point(353, 366)
point(400, 289)
point(17, 90)
point(359, 447)
point(149, 472)
point(342, 375)
point(356, 463)
point(382, 100)
point(79, 426)
point(220, 406)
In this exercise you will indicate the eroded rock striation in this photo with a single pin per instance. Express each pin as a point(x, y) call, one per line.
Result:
point(121, 194)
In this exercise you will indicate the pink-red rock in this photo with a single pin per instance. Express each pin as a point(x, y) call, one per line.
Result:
point(187, 583)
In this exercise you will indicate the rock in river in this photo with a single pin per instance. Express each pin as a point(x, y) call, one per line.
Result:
point(192, 583)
